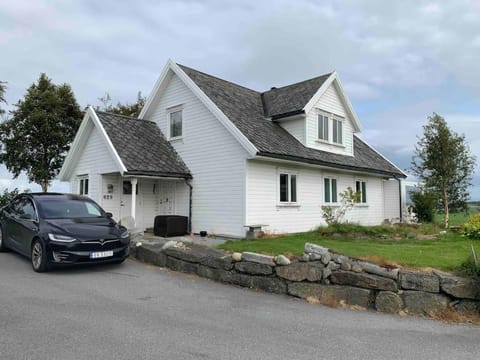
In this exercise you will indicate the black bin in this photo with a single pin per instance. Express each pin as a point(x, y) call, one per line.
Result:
point(170, 225)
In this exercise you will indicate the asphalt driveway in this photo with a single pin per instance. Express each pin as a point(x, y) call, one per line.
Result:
point(134, 311)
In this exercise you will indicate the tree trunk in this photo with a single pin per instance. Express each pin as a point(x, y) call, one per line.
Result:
point(44, 185)
point(445, 208)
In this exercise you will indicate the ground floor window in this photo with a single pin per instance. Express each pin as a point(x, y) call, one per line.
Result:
point(83, 185)
point(330, 190)
point(361, 187)
point(288, 187)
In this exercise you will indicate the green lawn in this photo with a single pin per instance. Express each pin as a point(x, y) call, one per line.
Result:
point(447, 252)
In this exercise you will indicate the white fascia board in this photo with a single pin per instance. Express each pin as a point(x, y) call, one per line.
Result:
point(209, 104)
point(315, 98)
point(121, 167)
point(64, 174)
point(391, 163)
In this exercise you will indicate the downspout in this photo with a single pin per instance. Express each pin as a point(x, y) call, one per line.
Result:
point(187, 181)
point(400, 197)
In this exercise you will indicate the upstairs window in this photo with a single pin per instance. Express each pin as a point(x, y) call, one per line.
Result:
point(361, 187)
point(288, 188)
point(337, 131)
point(322, 127)
point(330, 190)
point(175, 124)
point(83, 186)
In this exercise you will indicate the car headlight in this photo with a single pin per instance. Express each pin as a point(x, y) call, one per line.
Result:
point(61, 238)
point(124, 234)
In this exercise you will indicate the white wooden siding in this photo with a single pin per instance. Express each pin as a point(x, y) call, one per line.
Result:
point(391, 199)
point(94, 160)
point(330, 102)
point(215, 159)
point(296, 127)
point(263, 206)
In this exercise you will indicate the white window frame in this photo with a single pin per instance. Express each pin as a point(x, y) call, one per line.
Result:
point(170, 111)
point(325, 119)
point(331, 193)
point(289, 174)
point(337, 121)
point(363, 193)
point(83, 184)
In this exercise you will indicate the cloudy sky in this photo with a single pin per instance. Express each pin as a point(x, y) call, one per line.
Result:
point(399, 61)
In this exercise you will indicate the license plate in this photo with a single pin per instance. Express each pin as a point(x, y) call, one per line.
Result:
point(101, 254)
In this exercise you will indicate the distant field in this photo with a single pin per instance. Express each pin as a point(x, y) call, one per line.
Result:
point(457, 219)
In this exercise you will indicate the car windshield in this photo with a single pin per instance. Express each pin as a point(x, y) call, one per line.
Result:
point(70, 209)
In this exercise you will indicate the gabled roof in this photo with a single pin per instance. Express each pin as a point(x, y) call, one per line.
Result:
point(248, 115)
point(292, 98)
point(142, 147)
point(137, 147)
point(245, 109)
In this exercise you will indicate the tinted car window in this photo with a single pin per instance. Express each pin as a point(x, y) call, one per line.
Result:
point(15, 206)
point(26, 208)
point(69, 209)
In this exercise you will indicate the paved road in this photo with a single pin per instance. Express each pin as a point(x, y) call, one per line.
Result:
point(135, 311)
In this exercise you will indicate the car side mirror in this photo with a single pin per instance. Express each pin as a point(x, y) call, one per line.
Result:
point(109, 215)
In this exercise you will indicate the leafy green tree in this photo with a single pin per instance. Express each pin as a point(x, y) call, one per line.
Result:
point(128, 109)
point(37, 137)
point(444, 163)
point(2, 96)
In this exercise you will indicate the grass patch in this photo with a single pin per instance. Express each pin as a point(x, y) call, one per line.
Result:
point(458, 218)
point(403, 245)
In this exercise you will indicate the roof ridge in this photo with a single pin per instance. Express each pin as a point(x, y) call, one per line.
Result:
point(127, 117)
point(218, 78)
point(298, 82)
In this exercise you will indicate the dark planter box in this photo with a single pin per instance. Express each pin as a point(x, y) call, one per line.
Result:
point(170, 225)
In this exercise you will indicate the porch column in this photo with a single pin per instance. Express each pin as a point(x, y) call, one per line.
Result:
point(134, 181)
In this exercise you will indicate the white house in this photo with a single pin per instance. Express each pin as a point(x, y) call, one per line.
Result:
point(228, 156)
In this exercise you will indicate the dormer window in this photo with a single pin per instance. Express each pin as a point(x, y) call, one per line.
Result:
point(330, 128)
point(337, 137)
point(322, 127)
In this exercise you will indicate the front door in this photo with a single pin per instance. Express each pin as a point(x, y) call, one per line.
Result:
point(166, 201)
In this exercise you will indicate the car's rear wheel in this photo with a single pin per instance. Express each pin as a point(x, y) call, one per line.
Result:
point(2, 241)
point(39, 256)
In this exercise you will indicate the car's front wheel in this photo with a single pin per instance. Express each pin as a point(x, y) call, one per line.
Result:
point(39, 256)
point(2, 241)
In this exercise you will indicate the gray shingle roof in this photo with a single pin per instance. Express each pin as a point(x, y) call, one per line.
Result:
point(142, 146)
point(244, 107)
point(292, 98)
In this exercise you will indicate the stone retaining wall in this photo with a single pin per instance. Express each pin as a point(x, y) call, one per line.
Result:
point(330, 278)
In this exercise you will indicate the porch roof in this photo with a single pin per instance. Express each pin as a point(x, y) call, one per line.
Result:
point(142, 147)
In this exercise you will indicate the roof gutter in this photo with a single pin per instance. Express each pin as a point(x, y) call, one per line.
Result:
point(295, 159)
point(288, 114)
point(165, 176)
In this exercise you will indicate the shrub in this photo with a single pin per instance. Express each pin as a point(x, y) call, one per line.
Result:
point(471, 228)
point(347, 202)
point(424, 204)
